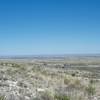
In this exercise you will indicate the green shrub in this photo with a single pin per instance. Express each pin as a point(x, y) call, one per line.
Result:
point(90, 90)
point(61, 97)
point(92, 81)
point(15, 65)
point(2, 98)
point(73, 74)
point(47, 96)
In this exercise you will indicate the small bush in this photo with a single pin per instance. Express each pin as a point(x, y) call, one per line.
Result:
point(47, 96)
point(73, 74)
point(90, 90)
point(67, 81)
point(2, 98)
point(61, 97)
point(15, 65)
point(77, 82)
point(92, 81)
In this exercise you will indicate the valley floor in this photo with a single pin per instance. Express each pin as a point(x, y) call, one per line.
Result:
point(69, 78)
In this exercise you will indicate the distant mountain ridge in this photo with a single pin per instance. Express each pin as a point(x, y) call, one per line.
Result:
point(48, 56)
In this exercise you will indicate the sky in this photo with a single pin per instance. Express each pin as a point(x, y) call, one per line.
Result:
point(35, 27)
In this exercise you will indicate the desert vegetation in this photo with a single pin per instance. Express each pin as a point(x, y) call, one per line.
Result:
point(67, 78)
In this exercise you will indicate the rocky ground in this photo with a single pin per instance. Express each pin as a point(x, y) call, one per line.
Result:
point(74, 78)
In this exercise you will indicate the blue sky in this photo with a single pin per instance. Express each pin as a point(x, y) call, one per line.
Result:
point(31, 27)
